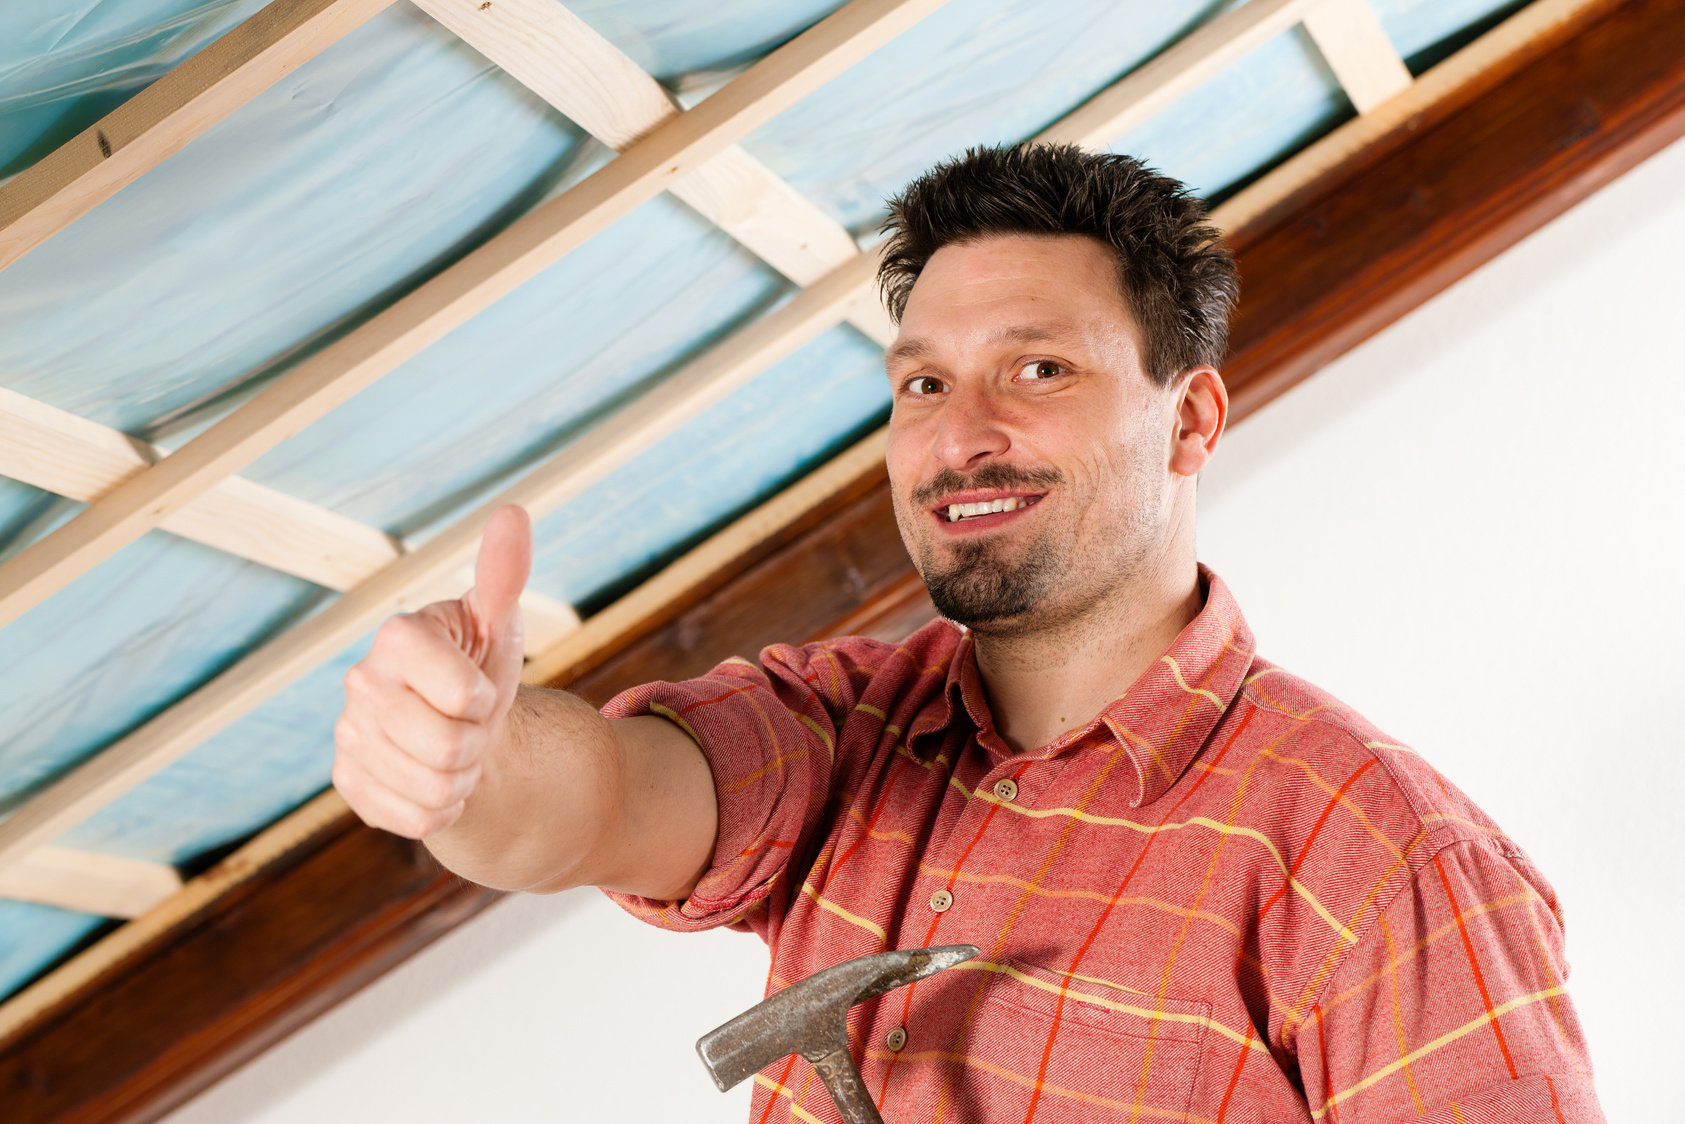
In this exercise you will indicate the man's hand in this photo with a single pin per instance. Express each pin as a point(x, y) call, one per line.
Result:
point(426, 705)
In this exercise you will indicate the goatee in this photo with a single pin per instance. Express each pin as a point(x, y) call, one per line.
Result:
point(979, 586)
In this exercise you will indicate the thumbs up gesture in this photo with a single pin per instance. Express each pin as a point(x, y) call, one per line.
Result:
point(425, 707)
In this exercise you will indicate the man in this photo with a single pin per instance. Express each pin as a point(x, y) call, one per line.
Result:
point(1204, 890)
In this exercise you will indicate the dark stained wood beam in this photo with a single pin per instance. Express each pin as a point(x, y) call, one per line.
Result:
point(1347, 255)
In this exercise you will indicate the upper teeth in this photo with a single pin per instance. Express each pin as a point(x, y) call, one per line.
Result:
point(957, 511)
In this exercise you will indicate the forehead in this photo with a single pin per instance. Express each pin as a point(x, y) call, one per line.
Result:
point(973, 289)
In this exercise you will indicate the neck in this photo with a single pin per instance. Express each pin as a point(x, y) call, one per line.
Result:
point(1042, 683)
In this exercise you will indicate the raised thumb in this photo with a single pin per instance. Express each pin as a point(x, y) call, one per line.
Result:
point(500, 574)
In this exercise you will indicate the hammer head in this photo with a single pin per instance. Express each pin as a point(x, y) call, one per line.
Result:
point(810, 1017)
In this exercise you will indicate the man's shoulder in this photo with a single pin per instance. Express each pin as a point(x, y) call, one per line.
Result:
point(1323, 742)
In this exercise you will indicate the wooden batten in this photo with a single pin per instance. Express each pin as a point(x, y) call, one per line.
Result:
point(71, 456)
point(1358, 51)
point(1349, 243)
point(90, 882)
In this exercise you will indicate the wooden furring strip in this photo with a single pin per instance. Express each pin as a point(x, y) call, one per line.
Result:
point(71, 456)
point(1358, 51)
point(145, 130)
point(89, 882)
point(659, 411)
point(565, 61)
point(505, 261)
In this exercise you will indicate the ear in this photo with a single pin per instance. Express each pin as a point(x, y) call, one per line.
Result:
point(1202, 408)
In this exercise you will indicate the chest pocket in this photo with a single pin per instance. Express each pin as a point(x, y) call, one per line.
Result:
point(1115, 1055)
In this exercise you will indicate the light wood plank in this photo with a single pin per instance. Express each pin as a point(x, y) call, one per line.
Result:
point(562, 59)
point(89, 882)
point(1358, 51)
point(631, 429)
point(145, 130)
point(520, 252)
point(1175, 71)
point(68, 455)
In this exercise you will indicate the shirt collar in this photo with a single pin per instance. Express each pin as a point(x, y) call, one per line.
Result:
point(1165, 717)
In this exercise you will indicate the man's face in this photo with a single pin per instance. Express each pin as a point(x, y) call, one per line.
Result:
point(1028, 449)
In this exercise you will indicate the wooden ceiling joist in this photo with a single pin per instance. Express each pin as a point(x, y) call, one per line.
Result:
point(1354, 232)
point(71, 456)
point(520, 252)
point(636, 426)
point(145, 130)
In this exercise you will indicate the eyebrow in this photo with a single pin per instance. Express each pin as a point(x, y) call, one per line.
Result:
point(918, 347)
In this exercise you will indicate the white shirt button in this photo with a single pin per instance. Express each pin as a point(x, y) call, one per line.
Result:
point(941, 900)
point(896, 1038)
point(1006, 789)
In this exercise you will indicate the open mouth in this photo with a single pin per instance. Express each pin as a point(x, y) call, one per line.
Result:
point(964, 512)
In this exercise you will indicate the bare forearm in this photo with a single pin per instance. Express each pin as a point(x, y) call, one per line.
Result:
point(568, 798)
point(551, 784)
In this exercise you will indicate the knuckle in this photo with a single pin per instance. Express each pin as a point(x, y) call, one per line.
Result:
point(436, 791)
point(458, 750)
point(395, 633)
point(344, 733)
point(358, 681)
point(460, 696)
point(419, 823)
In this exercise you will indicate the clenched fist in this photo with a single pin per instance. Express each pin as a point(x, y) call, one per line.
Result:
point(426, 705)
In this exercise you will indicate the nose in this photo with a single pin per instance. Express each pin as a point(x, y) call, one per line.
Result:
point(970, 429)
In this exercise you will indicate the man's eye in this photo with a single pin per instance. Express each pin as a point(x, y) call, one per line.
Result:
point(1040, 370)
point(925, 384)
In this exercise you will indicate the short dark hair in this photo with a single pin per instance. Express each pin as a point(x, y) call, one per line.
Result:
point(1178, 280)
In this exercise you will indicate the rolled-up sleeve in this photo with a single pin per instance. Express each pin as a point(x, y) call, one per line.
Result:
point(769, 738)
point(1453, 1006)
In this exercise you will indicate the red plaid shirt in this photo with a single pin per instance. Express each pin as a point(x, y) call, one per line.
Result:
point(1226, 898)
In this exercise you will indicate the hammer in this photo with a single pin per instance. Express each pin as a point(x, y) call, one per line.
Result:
point(810, 1018)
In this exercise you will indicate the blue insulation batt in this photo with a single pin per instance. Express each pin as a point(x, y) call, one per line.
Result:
point(369, 169)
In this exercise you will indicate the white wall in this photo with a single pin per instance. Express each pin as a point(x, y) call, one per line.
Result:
point(1472, 529)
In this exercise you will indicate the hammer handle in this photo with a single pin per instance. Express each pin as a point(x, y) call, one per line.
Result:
point(854, 1103)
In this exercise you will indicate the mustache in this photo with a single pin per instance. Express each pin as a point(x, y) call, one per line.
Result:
point(991, 475)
